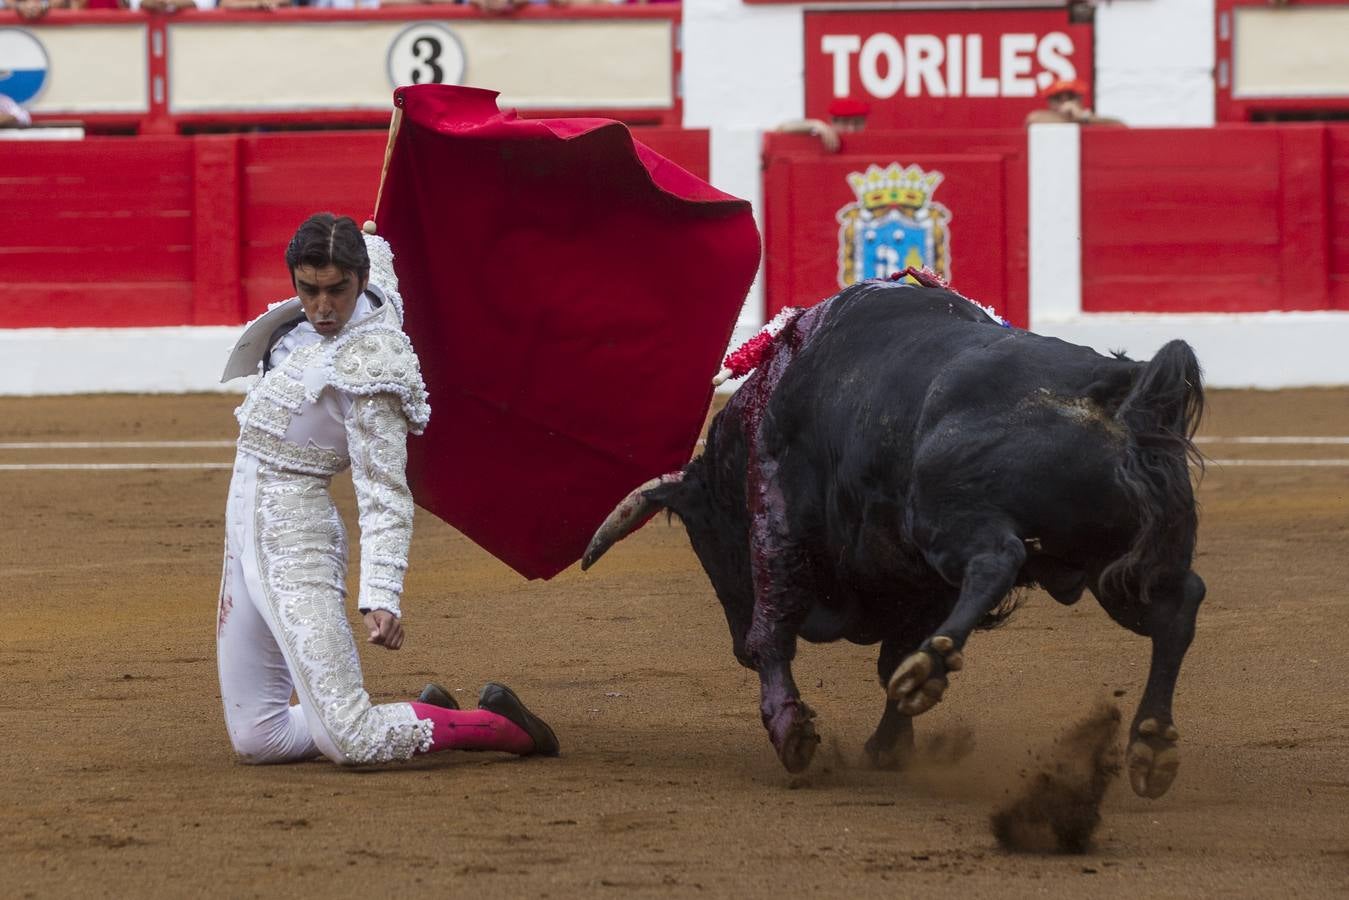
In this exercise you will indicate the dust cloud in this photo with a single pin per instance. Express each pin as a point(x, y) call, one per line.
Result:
point(1059, 806)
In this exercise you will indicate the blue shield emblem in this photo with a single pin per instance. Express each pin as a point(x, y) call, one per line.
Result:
point(893, 244)
point(894, 224)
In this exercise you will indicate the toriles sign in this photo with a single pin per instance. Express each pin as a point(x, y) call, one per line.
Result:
point(970, 69)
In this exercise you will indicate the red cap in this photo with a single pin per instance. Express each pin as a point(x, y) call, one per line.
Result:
point(1064, 86)
point(847, 107)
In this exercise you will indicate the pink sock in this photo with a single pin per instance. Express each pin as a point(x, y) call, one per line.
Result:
point(472, 729)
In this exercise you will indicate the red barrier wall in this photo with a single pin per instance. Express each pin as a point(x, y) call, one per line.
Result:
point(185, 231)
point(1338, 216)
point(983, 187)
point(1226, 219)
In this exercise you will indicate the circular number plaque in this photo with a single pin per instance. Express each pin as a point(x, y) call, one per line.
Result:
point(426, 53)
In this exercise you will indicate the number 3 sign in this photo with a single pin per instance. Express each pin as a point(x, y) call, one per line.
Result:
point(426, 53)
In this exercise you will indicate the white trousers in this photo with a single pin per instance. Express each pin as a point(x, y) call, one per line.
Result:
point(281, 627)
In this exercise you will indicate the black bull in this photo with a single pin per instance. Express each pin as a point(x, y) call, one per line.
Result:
point(899, 463)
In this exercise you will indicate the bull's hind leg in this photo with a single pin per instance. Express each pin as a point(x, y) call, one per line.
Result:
point(984, 565)
point(1169, 620)
point(891, 746)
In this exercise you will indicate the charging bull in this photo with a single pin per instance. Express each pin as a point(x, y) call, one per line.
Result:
point(898, 463)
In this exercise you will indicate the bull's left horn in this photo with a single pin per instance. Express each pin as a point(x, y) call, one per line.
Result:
point(627, 515)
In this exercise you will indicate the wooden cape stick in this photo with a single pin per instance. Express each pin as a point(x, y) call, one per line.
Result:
point(394, 123)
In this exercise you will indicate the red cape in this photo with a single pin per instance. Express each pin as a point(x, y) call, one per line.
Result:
point(570, 293)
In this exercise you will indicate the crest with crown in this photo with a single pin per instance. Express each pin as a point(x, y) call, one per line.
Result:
point(894, 185)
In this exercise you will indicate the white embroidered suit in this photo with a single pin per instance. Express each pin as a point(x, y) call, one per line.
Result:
point(320, 405)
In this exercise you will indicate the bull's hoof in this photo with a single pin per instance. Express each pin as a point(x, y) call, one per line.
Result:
point(793, 735)
point(887, 759)
point(1154, 758)
point(799, 747)
point(920, 681)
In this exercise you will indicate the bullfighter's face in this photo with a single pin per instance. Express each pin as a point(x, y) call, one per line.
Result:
point(328, 295)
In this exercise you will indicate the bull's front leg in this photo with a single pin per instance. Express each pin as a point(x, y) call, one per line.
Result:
point(985, 566)
point(780, 606)
point(891, 746)
point(786, 716)
point(1169, 620)
point(771, 647)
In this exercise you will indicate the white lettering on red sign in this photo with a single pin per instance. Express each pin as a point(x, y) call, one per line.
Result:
point(926, 65)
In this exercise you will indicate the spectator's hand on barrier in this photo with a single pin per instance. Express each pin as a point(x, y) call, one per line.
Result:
point(827, 134)
point(385, 628)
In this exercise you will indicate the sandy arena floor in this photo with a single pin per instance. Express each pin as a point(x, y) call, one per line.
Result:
point(118, 779)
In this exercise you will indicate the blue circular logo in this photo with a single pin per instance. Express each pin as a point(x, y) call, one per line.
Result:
point(23, 65)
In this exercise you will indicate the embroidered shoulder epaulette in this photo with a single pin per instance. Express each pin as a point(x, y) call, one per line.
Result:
point(376, 357)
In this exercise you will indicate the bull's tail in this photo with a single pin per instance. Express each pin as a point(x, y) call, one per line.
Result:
point(1161, 412)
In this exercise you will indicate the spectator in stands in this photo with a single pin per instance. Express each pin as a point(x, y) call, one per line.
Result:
point(1067, 104)
point(334, 4)
point(848, 115)
point(264, 5)
point(12, 115)
point(28, 9)
point(169, 6)
point(505, 6)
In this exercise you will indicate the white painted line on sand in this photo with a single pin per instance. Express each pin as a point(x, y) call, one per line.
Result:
point(1260, 439)
point(106, 467)
point(1278, 462)
point(111, 445)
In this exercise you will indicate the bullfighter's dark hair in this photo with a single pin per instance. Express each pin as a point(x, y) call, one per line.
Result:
point(325, 239)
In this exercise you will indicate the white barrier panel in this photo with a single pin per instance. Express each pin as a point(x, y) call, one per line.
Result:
point(1290, 52)
point(1055, 222)
point(281, 66)
point(73, 133)
point(1245, 350)
point(79, 68)
point(40, 361)
point(1260, 350)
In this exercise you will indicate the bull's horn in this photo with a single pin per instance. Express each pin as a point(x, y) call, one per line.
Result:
point(627, 515)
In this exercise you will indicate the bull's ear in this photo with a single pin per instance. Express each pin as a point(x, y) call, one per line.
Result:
point(1109, 392)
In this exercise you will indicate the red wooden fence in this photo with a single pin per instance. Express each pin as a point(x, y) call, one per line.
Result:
point(1227, 219)
point(177, 230)
point(983, 188)
point(185, 231)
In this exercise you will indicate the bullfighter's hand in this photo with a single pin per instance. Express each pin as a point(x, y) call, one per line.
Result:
point(385, 629)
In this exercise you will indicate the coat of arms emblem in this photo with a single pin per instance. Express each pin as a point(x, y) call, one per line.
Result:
point(893, 224)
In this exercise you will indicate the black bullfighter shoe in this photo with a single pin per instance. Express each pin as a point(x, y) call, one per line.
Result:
point(501, 700)
point(435, 695)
